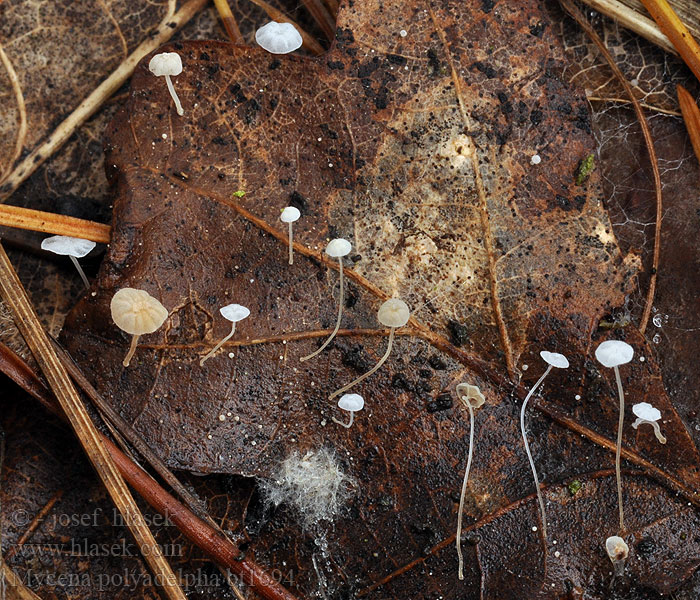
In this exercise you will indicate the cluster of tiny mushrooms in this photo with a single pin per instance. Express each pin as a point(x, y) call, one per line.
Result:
point(137, 313)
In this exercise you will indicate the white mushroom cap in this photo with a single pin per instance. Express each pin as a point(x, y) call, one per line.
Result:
point(67, 246)
point(338, 247)
point(616, 548)
point(351, 402)
point(470, 393)
point(613, 353)
point(555, 359)
point(393, 313)
point(646, 412)
point(137, 312)
point(290, 214)
point(278, 38)
point(234, 312)
point(165, 63)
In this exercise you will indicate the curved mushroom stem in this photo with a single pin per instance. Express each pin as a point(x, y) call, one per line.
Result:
point(529, 454)
point(291, 244)
point(337, 323)
point(382, 360)
point(654, 424)
point(346, 425)
point(132, 349)
point(464, 490)
point(221, 343)
point(80, 271)
point(618, 449)
point(176, 100)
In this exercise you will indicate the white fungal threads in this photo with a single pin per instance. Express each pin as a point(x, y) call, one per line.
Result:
point(613, 353)
point(618, 551)
point(352, 403)
point(136, 312)
point(289, 215)
point(278, 38)
point(393, 313)
point(74, 248)
point(233, 313)
point(558, 361)
point(472, 398)
point(167, 64)
point(336, 249)
point(646, 413)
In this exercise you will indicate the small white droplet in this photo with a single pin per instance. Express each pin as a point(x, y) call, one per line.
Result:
point(557, 553)
point(634, 82)
point(230, 354)
point(656, 339)
point(253, 443)
point(535, 159)
point(164, 136)
point(657, 320)
point(403, 33)
point(526, 367)
point(534, 528)
point(222, 417)
point(209, 436)
point(577, 397)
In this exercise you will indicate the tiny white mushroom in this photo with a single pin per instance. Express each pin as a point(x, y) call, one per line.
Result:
point(336, 248)
point(74, 248)
point(136, 312)
point(233, 313)
point(472, 398)
point(612, 354)
point(289, 215)
point(167, 64)
point(351, 403)
point(618, 551)
point(393, 313)
point(646, 413)
point(558, 361)
point(278, 38)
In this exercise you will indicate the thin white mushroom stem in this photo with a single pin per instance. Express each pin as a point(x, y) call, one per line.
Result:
point(346, 425)
point(132, 349)
point(80, 271)
point(655, 425)
point(464, 491)
point(382, 360)
point(171, 89)
point(221, 343)
point(340, 316)
point(618, 449)
point(291, 244)
point(529, 454)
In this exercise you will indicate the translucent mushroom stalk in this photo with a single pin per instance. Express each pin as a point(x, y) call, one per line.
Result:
point(559, 361)
point(351, 403)
point(136, 312)
point(648, 415)
point(289, 215)
point(73, 248)
point(472, 398)
point(233, 313)
point(337, 248)
point(612, 354)
point(393, 313)
point(167, 64)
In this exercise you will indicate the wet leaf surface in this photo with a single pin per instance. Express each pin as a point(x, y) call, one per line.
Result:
point(408, 449)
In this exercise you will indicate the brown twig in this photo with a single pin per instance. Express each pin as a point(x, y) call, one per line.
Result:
point(673, 28)
point(44, 222)
point(29, 325)
point(229, 21)
point(332, 8)
point(691, 116)
point(322, 17)
point(21, 112)
point(36, 521)
point(220, 548)
point(167, 28)
point(569, 7)
point(309, 41)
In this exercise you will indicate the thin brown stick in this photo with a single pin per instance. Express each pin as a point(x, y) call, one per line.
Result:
point(332, 8)
point(322, 17)
point(219, 547)
point(167, 28)
point(36, 521)
point(229, 22)
point(38, 341)
point(308, 41)
point(45, 222)
point(21, 112)
point(569, 7)
point(668, 21)
point(691, 116)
